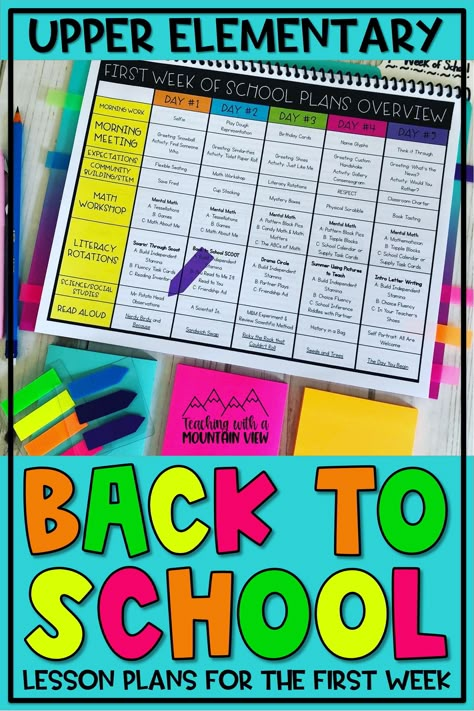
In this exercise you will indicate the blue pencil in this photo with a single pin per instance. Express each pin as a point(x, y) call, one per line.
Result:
point(17, 160)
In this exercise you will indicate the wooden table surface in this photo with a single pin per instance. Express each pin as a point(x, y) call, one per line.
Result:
point(438, 430)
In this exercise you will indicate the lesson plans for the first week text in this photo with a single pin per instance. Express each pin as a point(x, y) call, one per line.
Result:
point(321, 207)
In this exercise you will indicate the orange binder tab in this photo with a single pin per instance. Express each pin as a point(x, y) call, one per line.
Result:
point(56, 435)
point(451, 335)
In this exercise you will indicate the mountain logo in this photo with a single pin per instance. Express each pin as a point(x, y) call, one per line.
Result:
point(195, 404)
point(253, 399)
point(233, 404)
point(214, 405)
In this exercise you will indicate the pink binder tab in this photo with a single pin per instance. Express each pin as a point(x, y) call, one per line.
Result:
point(30, 293)
point(452, 295)
point(446, 374)
point(80, 450)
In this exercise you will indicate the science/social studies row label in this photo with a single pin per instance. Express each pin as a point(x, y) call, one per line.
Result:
point(324, 213)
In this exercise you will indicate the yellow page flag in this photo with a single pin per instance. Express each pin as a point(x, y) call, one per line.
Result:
point(332, 424)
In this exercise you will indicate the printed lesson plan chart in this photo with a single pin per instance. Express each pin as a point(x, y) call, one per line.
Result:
point(322, 226)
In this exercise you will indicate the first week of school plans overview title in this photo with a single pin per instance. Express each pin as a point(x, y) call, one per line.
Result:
point(323, 207)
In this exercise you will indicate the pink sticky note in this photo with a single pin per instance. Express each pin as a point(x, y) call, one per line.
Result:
point(447, 374)
point(30, 293)
point(221, 413)
point(80, 450)
point(452, 294)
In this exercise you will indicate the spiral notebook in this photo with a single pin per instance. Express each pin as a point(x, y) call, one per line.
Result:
point(259, 215)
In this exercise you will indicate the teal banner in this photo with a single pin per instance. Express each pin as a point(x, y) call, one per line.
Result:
point(329, 31)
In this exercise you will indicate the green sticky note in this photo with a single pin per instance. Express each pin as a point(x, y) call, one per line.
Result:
point(33, 391)
point(67, 128)
point(64, 99)
point(343, 67)
point(305, 119)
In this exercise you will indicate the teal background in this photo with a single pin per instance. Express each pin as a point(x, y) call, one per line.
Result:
point(446, 43)
point(305, 550)
point(301, 541)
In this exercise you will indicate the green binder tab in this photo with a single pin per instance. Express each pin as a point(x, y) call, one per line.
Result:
point(33, 391)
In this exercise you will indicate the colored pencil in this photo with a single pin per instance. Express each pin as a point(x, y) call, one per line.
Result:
point(17, 161)
point(3, 206)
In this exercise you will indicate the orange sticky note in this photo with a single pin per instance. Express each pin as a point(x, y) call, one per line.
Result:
point(332, 424)
point(56, 435)
point(451, 335)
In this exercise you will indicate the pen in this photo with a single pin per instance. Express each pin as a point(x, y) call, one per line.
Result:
point(2, 242)
point(17, 159)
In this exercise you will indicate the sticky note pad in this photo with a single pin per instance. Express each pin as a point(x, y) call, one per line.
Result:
point(220, 413)
point(332, 424)
point(82, 363)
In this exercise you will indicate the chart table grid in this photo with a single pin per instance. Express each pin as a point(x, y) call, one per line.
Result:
point(321, 226)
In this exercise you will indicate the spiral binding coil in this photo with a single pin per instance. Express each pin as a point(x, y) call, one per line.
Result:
point(321, 75)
